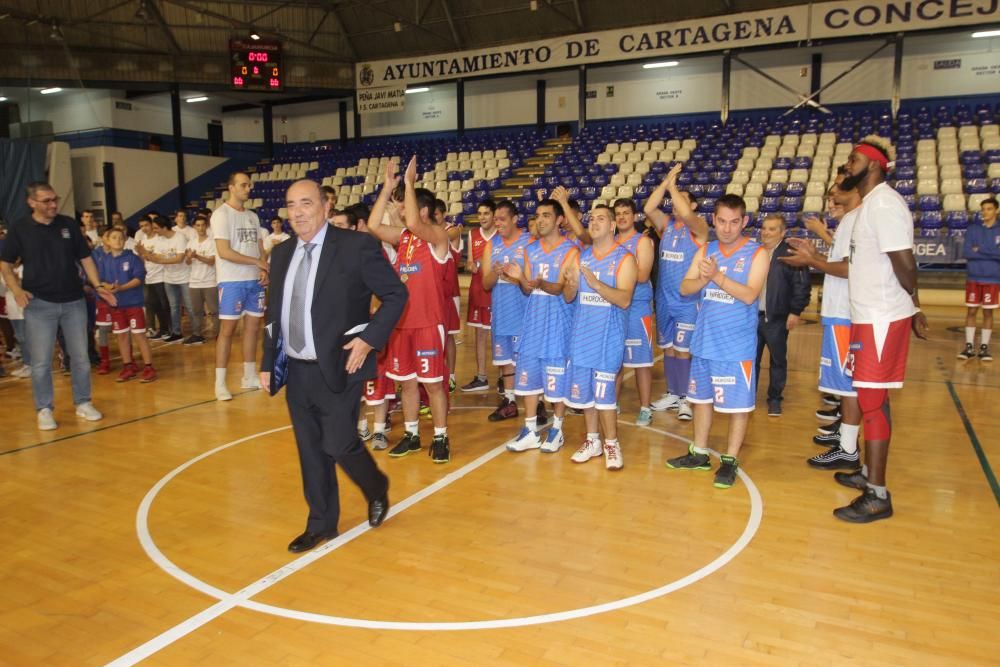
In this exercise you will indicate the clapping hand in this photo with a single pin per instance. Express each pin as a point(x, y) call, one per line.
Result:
point(391, 179)
point(708, 268)
point(588, 275)
point(410, 177)
point(801, 253)
point(814, 225)
point(512, 271)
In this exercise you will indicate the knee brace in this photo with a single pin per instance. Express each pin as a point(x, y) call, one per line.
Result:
point(873, 406)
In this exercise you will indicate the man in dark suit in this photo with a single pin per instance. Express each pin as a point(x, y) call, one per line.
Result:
point(318, 315)
point(785, 295)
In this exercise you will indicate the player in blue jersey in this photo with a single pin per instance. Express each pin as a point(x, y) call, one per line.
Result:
point(507, 246)
point(602, 288)
point(680, 238)
point(639, 334)
point(544, 344)
point(728, 275)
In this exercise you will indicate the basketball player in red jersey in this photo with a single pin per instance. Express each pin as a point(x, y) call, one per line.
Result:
point(417, 348)
point(480, 301)
point(452, 295)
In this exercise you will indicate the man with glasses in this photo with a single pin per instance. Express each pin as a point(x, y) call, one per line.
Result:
point(50, 247)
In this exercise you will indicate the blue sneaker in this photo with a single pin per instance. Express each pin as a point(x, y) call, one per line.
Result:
point(554, 441)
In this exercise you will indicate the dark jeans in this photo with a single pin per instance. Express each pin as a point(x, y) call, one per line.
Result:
point(161, 307)
point(774, 335)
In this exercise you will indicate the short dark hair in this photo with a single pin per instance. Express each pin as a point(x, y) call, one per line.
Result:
point(278, 218)
point(488, 203)
point(574, 205)
point(510, 206)
point(352, 218)
point(32, 188)
point(328, 192)
point(604, 206)
point(360, 210)
point(162, 222)
point(425, 199)
point(734, 202)
point(556, 206)
point(232, 177)
point(627, 202)
point(439, 205)
point(990, 200)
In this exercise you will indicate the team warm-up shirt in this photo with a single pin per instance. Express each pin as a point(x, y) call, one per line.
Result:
point(242, 230)
point(726, 328)
point(884, 224)
point(598, 338)
point(154, 272)
point(203, 275)
point(174, 274)
point(836, 296)
point(508, 299)
point(421, 271)
point(121, 269)
point(547, 317)
point(981, 251)
point(677, 249)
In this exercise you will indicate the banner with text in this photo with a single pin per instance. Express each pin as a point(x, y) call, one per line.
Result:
point(382, 98)
point(821, 20)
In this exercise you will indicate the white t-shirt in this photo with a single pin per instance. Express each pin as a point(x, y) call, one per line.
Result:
point(202, 274)
point(242, 230)
point(174, 274)
point(154, 271)
point(836, 294)
point(273, 239)
point(883, 225)
point(130, 243)
point(14, 311)
point(189, 233)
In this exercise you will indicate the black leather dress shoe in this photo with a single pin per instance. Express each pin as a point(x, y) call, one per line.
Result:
point(307, 541)
point(377, 509)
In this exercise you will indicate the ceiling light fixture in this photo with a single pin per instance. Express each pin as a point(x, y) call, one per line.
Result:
point(200, 98)
point(986, 33)
point(410, 91)
point(254, 35)
point(533, 5)
point(666, 63)
point(397, 26)
point(2, 98)
point(50, 91)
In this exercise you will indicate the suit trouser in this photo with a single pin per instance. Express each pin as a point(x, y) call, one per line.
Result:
point(774, 334)
point(325, 425)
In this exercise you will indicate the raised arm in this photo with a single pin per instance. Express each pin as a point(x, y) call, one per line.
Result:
point(683, 210)
point(561, 195)
point(435, 235)
point(380, 230)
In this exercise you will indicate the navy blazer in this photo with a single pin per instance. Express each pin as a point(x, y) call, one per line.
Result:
point(352, 268)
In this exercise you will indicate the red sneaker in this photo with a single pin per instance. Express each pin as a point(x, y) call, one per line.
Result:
point(506, 410)
point(128, 372)
point(104, 367)
point(148, 374)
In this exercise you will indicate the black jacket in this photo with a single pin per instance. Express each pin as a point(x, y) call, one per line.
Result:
point(788, 288)
point(352, 268)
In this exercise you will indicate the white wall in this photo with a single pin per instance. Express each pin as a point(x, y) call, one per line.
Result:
point(694, 86)
point(433, 111)
point(69, 110)
point(977, 71)
point(140, 176)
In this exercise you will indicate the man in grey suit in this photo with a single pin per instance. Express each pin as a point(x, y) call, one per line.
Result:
point(318, 317)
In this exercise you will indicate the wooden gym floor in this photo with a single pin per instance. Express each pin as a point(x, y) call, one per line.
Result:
point(496, 558)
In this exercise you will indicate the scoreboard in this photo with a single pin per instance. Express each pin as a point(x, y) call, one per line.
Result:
point(256, 65)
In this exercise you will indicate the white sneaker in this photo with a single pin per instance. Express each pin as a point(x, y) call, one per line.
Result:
point(252, 382)
point(22, 372)
point(684, 412)
point(88, 412)
point(222, 393)
point(645, 417)
point(364, 434)
point(525, 440)
point(553, 441)
point(613, 456)
point(46, 422)
point(588, 450)
point(666, 402)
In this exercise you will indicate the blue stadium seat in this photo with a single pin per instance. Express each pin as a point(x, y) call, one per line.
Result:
point(956, 219)
point(929, 203)
point(906, 186)
point(583, 180)
point(795, 189)
point(696, 190)
point(774, 189)
point(702, 178)
point(802, 163)
point(911, 201)
point(715, 190)
point(706, 205)
point(992, 156)
point(930, 220)
point(722, 177)
point(782, 163)
point(588, 192)
point(975, 186)
point(527, 206)
point(769, 204)
point(974, 170)
point(641, 193)
point(970, 157)
point(791, 204)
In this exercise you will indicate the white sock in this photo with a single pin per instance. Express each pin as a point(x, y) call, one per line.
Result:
point(509, 395)
point(220, 376)
point(970, 335)
point(362, 425)
point(864, 470)
point(451, 376)
point(596, 437)
point(531, 423)
point(613, 442)
point(440, 430)
point(557, 423)
point(985, 336)
point(379, 427)
point(849, 437)
point(413, 428)
point(249, 369)
point(699, 450)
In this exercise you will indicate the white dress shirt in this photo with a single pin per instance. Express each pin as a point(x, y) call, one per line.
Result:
point(309, 352)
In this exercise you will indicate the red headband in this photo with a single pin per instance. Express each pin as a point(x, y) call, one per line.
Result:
point(873, 153)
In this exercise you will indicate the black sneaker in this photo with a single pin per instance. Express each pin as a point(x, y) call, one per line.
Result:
point(831, 399)
point(173, 338)
point(541, 417)
point(967, 353)
point(690, 461)
point(194, 340)
point(827, 439)
point(852, 480)
point(408, 444)
point(506, 410)
point(379, 442)
point(774, 408)
point(828, 415)
point(827, 429)
point(440, 451)
point(478, 384)
point(725, 476)
point(866, 508)
point(836, 459)
point(984, 353)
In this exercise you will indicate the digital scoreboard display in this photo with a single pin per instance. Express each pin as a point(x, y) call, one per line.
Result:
point(255, 65)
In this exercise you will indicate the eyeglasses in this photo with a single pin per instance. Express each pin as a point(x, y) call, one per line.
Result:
point(50, 200)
